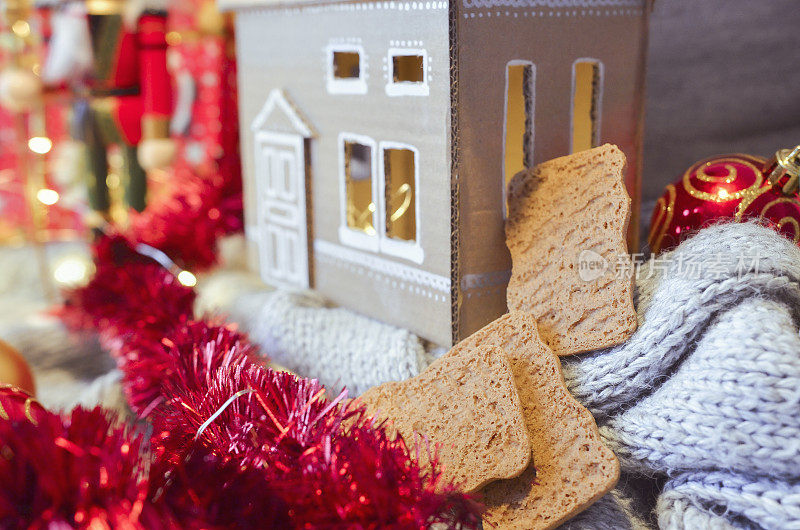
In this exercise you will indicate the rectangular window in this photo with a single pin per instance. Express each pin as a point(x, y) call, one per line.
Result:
point(358, 187)
point(399, 201)
point(345, 69)
point(400, 176)
point(408, 72)
point(587, 84)
point(518, 148)
point(379, 198)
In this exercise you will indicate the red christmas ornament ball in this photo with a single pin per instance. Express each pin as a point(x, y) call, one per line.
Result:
point(729, 187)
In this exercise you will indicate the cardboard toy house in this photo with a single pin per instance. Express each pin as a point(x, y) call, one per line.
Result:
point(378, 138)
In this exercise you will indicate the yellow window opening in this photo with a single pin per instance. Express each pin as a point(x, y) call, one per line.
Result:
point(358, 184)
point(401, 214)
point(519, 119)
point(585, 105)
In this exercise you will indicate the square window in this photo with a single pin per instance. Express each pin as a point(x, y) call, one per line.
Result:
point(408, 68)
point(346, 66)
point(408, 74)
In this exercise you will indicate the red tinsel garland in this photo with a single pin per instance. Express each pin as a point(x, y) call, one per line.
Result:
point(185, 359)
point(70, 471)
point(130, 295)
point(85, 470)
point(234, 444)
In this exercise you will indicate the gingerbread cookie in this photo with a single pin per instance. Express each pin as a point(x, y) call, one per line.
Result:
point(467, 404)
point(566, 231)
point(571, 468)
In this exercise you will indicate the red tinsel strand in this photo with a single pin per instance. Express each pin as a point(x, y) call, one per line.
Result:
point(85, 470)
point(154, 300)
point(278, 418)
point(186, 358)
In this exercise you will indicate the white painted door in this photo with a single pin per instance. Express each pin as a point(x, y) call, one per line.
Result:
point(282, 227)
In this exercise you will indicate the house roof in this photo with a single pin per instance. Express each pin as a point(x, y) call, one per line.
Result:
point(229, 5)
point(281, 112)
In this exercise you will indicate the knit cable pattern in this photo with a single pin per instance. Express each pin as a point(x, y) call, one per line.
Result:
point(678, 297)
point(334, 345)
point(727, 500)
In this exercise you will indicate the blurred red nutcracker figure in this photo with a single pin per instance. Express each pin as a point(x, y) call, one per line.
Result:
point(113, 54)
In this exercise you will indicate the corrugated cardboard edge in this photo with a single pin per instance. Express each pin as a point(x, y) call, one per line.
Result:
point(633, 236)
point(455, 221)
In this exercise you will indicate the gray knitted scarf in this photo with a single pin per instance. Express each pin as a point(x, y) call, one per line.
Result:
point(706, 394)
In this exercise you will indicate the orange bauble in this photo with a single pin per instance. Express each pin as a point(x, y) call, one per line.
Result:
point(14, 371)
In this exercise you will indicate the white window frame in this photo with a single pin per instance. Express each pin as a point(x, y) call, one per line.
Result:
point(410, 250)
point(350, 236)
point(336, 85)
point(406, 88)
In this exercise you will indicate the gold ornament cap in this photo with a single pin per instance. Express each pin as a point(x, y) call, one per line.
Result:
point(783, 170)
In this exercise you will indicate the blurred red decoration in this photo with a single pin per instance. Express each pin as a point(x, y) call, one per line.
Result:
point(129, 295)
point(733, 187)
point(187, 222)
point(70, 472)
point(18, 405)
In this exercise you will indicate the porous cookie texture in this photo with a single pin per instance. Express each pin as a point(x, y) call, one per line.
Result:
point(570, 467)
point(566, 230)
point(467, 404)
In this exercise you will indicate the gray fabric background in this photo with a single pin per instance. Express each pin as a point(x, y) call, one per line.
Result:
point(724, 76)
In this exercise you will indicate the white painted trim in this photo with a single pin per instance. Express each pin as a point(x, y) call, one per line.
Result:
point(504, 191)
point(596, 8)
point(601, 87)
point(383, 266)
point(264, 225)
point(278, 99)
point(336, 85)
point(410, 250)
point(348, 236)
point(406, 88)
